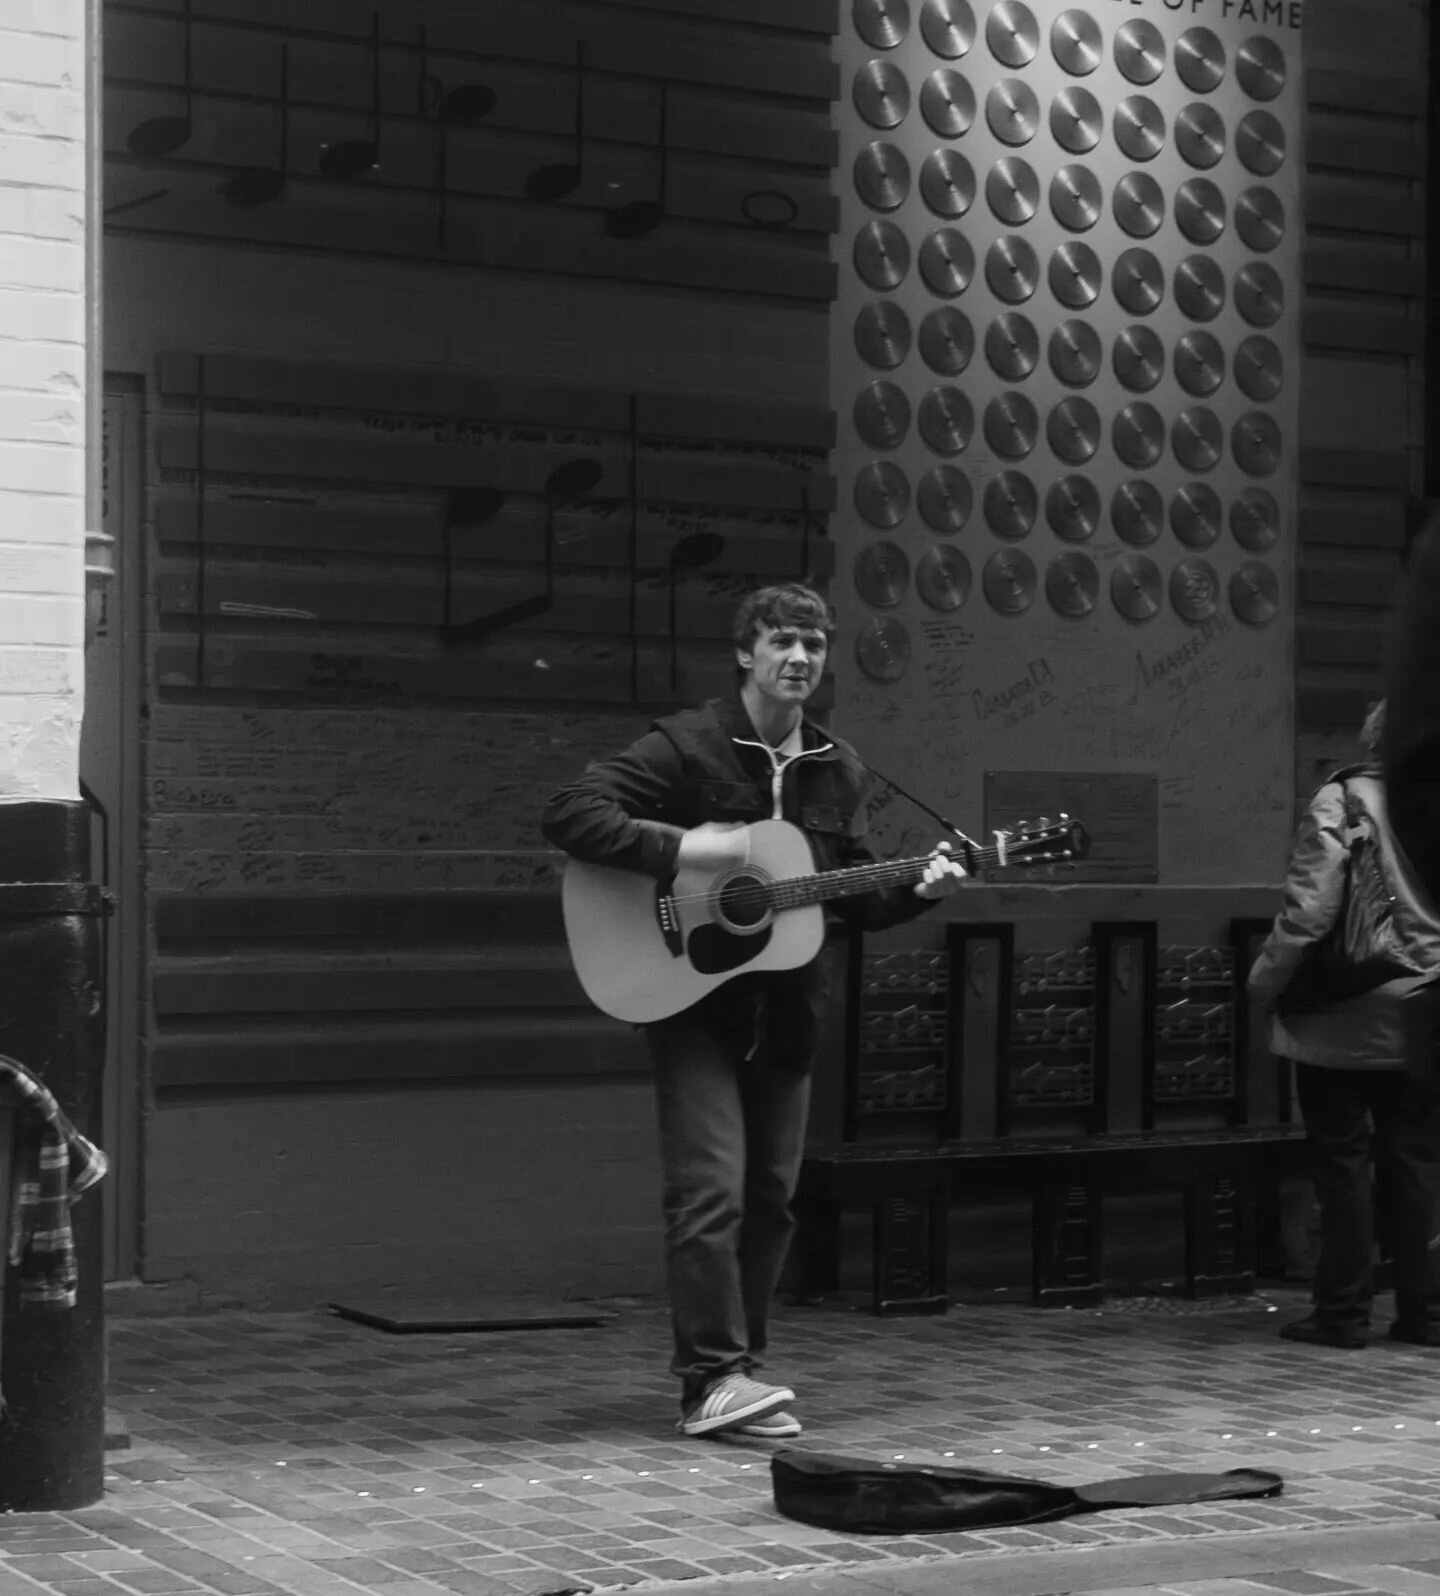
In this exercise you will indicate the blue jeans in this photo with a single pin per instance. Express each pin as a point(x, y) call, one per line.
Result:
point(1351, 1117)
point(732, 1137)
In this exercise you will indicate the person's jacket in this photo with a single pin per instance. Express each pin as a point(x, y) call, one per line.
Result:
point(710, 765)
point(1369, 1030)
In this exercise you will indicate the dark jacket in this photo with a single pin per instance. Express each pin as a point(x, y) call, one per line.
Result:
point(1368, 1031)
point(709, 764)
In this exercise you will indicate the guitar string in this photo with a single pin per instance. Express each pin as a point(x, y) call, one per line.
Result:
point(885, 873)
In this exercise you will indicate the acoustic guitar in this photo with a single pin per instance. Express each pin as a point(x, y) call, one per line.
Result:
point(645, 949)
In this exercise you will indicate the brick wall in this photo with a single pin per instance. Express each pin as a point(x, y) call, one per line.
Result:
point(42, 394)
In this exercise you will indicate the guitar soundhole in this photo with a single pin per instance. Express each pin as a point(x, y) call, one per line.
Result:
point(743, 902)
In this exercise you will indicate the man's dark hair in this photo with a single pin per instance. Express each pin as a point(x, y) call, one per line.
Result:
point(785, 604)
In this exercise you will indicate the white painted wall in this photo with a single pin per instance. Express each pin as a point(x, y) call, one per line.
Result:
point(42, 395)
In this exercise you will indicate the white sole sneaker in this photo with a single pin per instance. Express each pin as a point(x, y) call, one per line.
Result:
point(731, 1402)
point(780, 1426)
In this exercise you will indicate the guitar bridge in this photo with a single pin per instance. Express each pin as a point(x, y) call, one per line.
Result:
point(667, 919)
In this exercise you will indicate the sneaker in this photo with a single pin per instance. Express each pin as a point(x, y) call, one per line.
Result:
point(778, 1426)
point(730, 1402)
point(1317, 1332)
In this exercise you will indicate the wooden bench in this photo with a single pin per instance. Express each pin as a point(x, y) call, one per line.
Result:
point(909, 1192)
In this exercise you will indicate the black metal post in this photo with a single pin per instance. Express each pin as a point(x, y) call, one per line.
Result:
point(52, 1360)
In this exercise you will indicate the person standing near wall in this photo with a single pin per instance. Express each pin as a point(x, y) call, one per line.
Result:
point(732, 1073)
point(1360, 1098)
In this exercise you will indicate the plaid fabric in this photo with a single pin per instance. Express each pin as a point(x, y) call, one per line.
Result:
point(53, 1165)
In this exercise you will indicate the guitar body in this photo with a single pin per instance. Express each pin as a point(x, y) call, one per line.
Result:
point(639, 969)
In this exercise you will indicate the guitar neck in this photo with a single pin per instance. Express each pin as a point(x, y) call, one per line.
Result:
point(798, 891)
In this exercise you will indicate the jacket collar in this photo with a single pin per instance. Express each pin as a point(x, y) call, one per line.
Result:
point(734, 720)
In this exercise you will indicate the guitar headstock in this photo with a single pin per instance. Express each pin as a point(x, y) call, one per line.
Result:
point(1046, 841)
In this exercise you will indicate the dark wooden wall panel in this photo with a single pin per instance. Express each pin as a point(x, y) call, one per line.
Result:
point(1363, 331)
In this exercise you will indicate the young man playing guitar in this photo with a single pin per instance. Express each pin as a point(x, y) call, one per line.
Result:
point(732, 1072)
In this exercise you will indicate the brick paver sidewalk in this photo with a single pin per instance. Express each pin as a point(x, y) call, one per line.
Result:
point(310, 1455)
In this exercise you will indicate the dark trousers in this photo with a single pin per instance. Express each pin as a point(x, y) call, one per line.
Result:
point(732, 1137)
point(1352, 1116)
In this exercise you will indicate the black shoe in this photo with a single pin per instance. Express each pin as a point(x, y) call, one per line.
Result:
point(1420, 1335)
point(1316, 1332)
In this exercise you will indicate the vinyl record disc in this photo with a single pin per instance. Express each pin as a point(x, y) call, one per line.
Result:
point(1075, 353)
point(1260, 68)
point(1255, 520)
point(947, 183)
point(946, 420)
point(1073, 430)
point(1260, 219)
point(881, 94)
point(1135, 587)
point(1200, 60)
point(1138, 435)
point(882, 254)
point(1259, 294)
point(882, 176)
point(1139, 204)
point(948, 27)
point(882, 334)
point(1012, 190)
point(1198, 439)
point(1012, 111)
point(947, 103)
point(1139, 128)
point(1199, 362)
point(947, 341)
point(1137, 512)
point(1072, 507)
point(1012, 34)
point(1254, 593)
point(1199, 288)
point(882, 415)
point(1200, 210)
point(1012, 346)
point(1194, 589)
point(1075, 198)
point(1138, 281)
point(882, 24)
point(1011, 505)
point(947, 263)
point(1138, 359)
point(1075, 43)
point(942, 578)
point(882, 493)
point(1011, 270)
point(1195, 515)
point(882, 574)
point(945, 499)
point(1200, 135)
point(1259, 369)
point(882, 648)
point(1255, 442)
point(1140, 51)
point(1076, 120)
point(1011, 425)
point(1074, 275)
point(1009, 581)
point(1260, 143)
point(1072, 584)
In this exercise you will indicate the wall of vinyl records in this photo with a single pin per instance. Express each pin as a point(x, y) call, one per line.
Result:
point(1065, 363)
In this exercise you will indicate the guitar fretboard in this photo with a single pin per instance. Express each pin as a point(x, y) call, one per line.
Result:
point(798, 891)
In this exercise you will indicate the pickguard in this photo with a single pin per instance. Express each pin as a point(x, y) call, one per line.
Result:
point(713, 951)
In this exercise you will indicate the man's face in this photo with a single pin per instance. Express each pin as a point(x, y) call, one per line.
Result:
point(784, 662)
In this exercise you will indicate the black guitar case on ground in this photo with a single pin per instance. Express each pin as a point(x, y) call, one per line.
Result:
point(869, 1498)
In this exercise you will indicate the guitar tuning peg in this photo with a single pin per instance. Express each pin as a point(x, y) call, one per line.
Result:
point(1044, 822)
